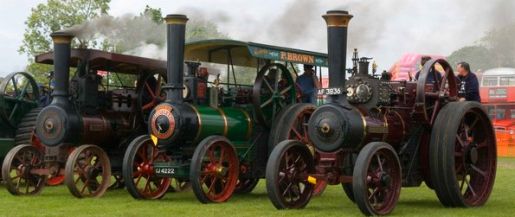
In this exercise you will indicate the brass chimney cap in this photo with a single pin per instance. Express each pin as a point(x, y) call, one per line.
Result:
point(176, 19)
point(62, 37)
point(337, 18)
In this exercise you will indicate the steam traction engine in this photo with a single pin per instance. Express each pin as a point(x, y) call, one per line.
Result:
point(88, 124)
point(19, 106)
point(375, 136)
point(213, 138)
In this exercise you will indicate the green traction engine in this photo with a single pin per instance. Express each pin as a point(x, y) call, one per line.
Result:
point(20, 99)
point(211, 138)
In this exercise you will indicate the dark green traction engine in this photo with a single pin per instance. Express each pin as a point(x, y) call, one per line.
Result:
point(218, 146)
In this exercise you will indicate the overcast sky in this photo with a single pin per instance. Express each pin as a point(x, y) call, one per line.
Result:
point(383, 29)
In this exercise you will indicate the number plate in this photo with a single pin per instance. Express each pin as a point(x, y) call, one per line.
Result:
point(330, 91)
point(164, 171)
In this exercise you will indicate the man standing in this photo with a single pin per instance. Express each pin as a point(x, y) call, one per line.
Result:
point(308, 83)
point(431, 76)
point(467, 83)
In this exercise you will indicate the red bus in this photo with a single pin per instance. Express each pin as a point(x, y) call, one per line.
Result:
point(497, 90)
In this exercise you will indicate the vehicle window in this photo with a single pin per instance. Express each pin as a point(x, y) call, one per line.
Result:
point(512, 113)
point(497, 93)
point(490, 81)
point(500, 113)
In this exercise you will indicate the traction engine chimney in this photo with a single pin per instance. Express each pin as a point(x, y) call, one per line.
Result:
point(337, 23)
point(176, 30)
point(62, 51)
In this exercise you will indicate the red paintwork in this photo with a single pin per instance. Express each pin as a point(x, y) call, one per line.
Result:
point(505, 127)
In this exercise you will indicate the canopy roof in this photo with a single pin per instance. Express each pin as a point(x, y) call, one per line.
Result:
point(107, 61)
point(241, 53)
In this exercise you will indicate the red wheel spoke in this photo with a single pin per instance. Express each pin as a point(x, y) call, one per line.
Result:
point(481, 172)
point(470, 188)
point(379, 163)
point(222, 151)
point(212, 184)
point(374, 192)
point(152, 153)
point(148, 106)
point(84, 187)
point(460, 141)
point(211, 155)
point(138, 179)
point(158, 86)
point(149, 90)
point(473, 124)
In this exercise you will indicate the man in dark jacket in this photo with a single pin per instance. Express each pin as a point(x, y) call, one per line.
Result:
point(431, 76)
point(467, 83)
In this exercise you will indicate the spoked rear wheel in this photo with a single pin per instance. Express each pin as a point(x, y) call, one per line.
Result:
point(150, 93)
point(214, 170)
point(377, 179)
point(274, 89)
point(18, 170)
point(463, 155)
point(138, 169)
point(88, 171)
point(19, 94)
point(287, 174)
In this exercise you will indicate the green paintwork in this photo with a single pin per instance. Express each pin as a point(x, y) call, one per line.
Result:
point(247, 53)
point(6, 144)
point(179, 170)
point(269, 52)
point(212, 123)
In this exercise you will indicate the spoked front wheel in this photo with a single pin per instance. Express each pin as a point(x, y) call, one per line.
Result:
point(138, 169)
point(377, 180)
point(214, 170)
point(19, 170)
point(287, 173)
point(87, 171)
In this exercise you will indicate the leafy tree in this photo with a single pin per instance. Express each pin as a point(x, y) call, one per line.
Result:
point(478, 56)
point(52, 16)
point(155, 14)
point(501, 45)
point(495, 49)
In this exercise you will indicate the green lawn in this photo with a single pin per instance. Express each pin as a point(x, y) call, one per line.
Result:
point(56, 201)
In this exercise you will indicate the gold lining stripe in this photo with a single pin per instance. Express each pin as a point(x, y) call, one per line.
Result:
point(385, 136)
point(176, 19)
point(402, 123)
point(226, 126)
point(199, 130)
point(337, 20)
point(249, 123)
point(364, 127)
point(62, 39)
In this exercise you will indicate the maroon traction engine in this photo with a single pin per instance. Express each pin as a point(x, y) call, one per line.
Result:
point(90, 121)
point(375, 136)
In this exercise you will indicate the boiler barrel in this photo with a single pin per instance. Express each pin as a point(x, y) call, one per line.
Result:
point(233, 123)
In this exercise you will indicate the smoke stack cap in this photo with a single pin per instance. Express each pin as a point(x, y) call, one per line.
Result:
point(62, 37)
point(176, 19)
point(337, 18)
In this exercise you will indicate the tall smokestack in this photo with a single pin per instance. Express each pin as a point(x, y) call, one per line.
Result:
point(337, 23)
point(176, 31)
point(62, 52)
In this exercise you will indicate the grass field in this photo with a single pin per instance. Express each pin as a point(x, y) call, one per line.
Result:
point(56, 201)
